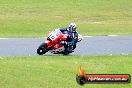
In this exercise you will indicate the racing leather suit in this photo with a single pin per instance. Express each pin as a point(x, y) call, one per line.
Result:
point(70, 45)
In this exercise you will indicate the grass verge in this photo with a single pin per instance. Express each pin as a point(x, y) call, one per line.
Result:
point(60, 71)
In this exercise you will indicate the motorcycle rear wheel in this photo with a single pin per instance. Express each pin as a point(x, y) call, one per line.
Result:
point(66, 53)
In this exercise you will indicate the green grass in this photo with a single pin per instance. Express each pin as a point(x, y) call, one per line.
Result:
point(34, 18)
point(60, 71)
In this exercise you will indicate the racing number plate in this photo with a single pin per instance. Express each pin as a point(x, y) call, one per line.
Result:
point(52, 36)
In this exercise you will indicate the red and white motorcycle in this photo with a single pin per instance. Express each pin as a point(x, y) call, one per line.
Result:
point(54, 43)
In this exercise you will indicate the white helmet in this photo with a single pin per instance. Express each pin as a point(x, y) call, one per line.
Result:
point(72, 27)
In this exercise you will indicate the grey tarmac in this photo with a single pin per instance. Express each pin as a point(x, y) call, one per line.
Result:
point(89, 46)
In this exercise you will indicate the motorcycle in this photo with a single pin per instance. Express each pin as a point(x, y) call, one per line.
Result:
point(54, 44)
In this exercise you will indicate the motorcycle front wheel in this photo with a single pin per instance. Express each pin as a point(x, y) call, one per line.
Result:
point(42, 49)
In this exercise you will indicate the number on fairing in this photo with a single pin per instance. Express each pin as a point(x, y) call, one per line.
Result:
point(52, 36)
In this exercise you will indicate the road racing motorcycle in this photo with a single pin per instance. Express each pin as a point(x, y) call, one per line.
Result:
point(54, 44)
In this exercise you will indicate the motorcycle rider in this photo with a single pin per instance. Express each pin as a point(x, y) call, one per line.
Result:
point(70, 44)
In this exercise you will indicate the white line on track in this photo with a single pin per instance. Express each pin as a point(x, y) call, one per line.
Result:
point(105, 35)
point(4, 38)
point(83, 36)
point(112, 35)
point(88, 36)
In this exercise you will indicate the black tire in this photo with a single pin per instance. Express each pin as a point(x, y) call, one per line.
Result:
point(42, 49)
point(66, 53)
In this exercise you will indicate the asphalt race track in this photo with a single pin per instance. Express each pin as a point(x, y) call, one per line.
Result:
point(94, 45)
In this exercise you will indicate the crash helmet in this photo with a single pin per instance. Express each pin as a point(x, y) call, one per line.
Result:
point(72, 27)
